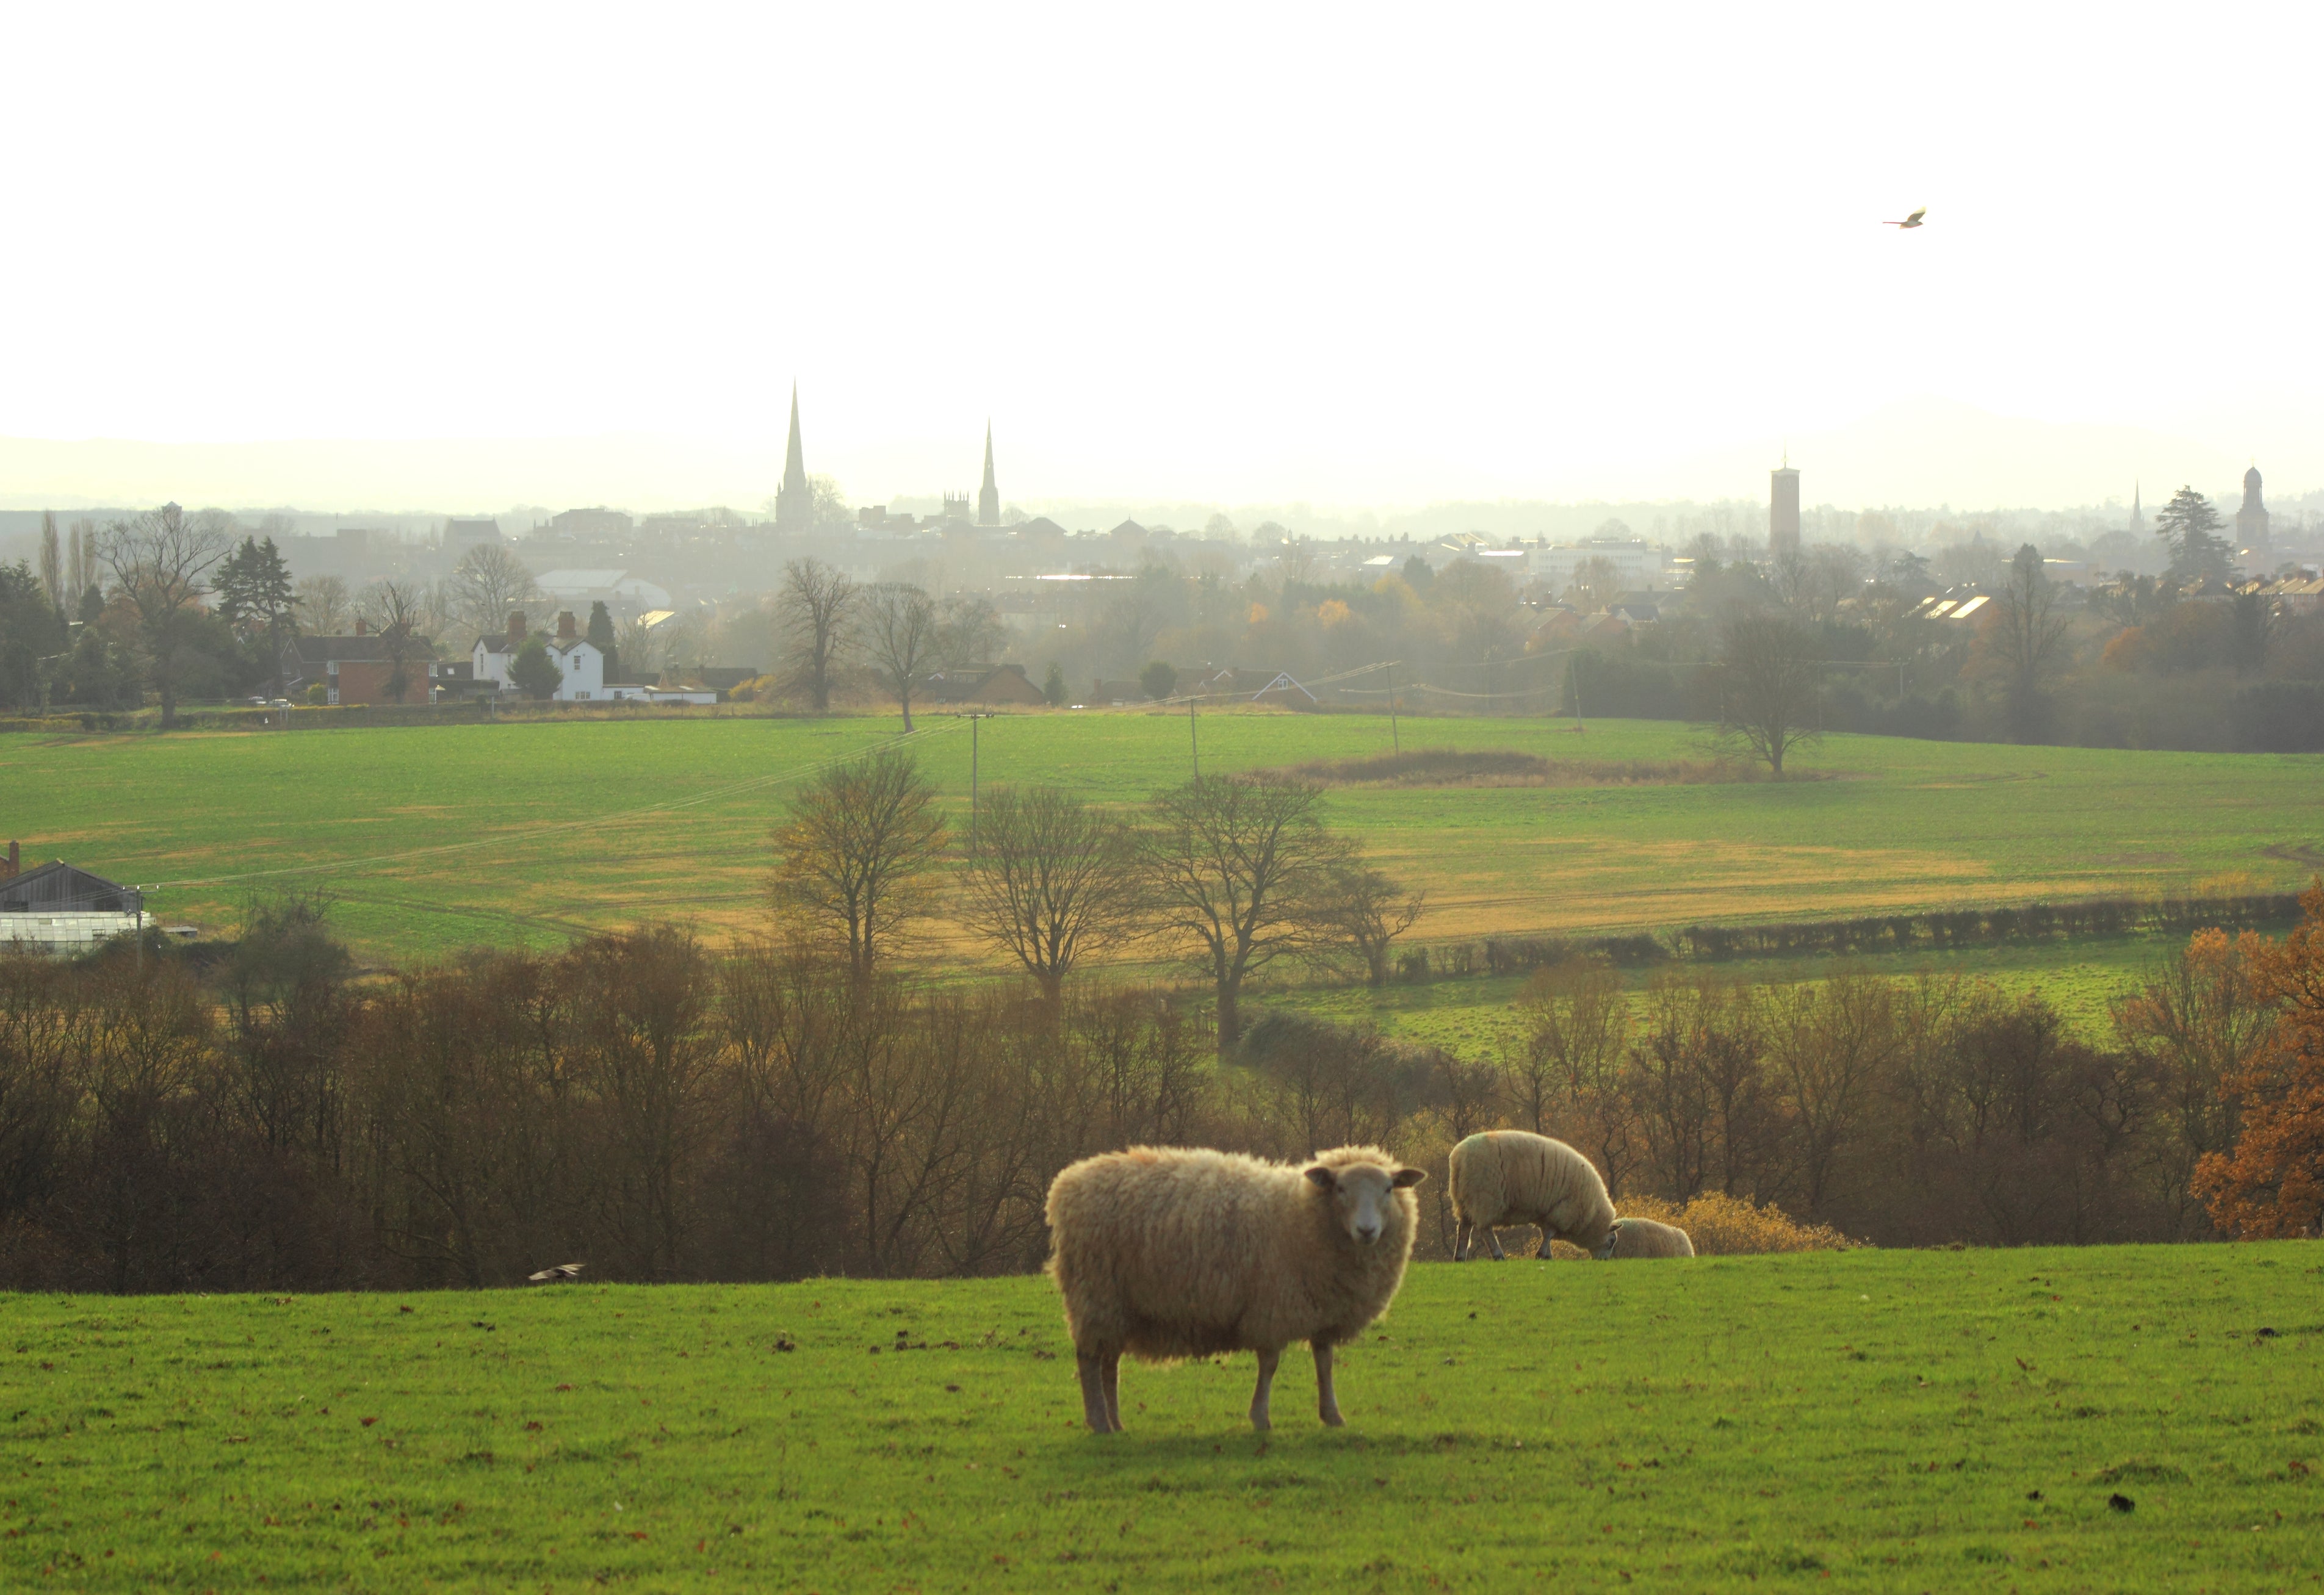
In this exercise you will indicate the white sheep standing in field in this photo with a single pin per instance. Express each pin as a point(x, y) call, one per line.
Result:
point(1649, 1237)
point(1170, 1252)
point(1511, 1177)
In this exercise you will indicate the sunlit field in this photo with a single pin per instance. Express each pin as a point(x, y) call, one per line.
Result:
point(1905, 1420)
point(433, 838)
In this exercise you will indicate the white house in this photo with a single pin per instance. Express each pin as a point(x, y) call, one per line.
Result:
point(580, 667)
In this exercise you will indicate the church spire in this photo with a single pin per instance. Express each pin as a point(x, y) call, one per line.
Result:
point(988, 497)
point(2137, 515)
point(795, 500)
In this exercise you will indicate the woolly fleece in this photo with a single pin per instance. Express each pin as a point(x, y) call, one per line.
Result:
point(1511, 1177)
point(1171, 1253)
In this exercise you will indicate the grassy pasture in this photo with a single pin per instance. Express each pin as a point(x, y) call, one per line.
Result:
point(1475, 1016)
point(1874, 1421)
point(497, 834)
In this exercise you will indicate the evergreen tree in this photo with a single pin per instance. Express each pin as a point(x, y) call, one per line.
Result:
point(534, 673)
point(601, 638)
point(255, 596)
point(2191, 527)
point(1053, 685)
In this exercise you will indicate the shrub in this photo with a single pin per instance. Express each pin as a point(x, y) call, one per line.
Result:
point(1721, 1225)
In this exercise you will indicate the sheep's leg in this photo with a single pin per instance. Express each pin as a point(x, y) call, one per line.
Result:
point(1088, 1364)
point(1110, 1374)
point(1266, 1361)
point(1327, 1402)
point(1461, 1238)
point(1543, 1251)
point(1494, 1238)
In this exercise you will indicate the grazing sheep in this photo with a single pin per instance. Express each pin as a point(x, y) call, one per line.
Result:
point(1508, 1176)
point(1170, 1252)
point(1649, 1237)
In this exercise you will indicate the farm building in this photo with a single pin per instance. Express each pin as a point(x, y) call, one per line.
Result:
point(61, 908)
point(983, 684)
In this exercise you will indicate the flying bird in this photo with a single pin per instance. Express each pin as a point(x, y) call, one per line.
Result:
point(1913, 220)
point(558, 1275)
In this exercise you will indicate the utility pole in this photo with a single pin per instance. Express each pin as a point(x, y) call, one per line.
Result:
point(1395, 737)
point(1573, 670)
point(1194, 736)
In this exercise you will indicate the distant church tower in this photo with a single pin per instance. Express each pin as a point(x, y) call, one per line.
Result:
point(2251, 522)
point(988, 497)
point(795, 500)
point(2137, 515)
point(1783, 512)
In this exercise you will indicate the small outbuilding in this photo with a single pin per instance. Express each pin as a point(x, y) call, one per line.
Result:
point(61, 908)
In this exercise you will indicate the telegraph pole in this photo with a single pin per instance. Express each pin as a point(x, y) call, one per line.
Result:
point(974, 717)
point(1194, 736)
point(1395, 737)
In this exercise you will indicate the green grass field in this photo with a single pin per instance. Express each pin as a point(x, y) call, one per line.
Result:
point(1476, 1016)
point(435, 838)
point(1876, 1421)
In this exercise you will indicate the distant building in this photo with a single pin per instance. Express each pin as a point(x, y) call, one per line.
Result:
point(2251, 523)
point(467, 534)
point(1783, 511)
point(795, 500)
point(59, 908)
point(1635, 563)
point(609, 588)
point(988, 497)
point(356, 670)
point(594, 521)
point(982, 683)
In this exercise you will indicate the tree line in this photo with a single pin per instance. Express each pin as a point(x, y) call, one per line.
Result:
point(265, 1116)
point(1227, 873)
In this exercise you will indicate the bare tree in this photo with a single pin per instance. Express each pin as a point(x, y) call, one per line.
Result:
point(816, 607)
point(1237, 867)
point(1769, 678)
point(1365, 910)
point(158, 561)
point(1831, 1045)
point(488, 581)
point(968, 632)
point(858, 851)
point(899, 629)
point(1052, 881)
point(323, 608)
point(396, 610)
point(1568, 1078)
point(2023, 640)
point(1597, 580)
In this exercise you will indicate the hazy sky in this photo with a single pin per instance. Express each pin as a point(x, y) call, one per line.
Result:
point(1355, 256)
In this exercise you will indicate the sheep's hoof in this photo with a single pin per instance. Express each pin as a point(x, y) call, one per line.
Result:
point(1332, 1420)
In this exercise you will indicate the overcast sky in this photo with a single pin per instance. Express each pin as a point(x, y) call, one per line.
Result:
point(1244, 253)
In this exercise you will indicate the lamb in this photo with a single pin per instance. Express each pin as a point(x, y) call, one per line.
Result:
point(1171, 1252)
point(1649, 1237)
point(1508, 1176)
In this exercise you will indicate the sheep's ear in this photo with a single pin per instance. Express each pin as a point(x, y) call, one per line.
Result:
point(1322, 1176)
point(1404, 1179)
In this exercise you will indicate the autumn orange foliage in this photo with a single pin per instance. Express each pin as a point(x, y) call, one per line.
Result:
point(2272, 1182)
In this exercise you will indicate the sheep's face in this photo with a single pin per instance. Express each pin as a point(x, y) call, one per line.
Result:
point(1363, 1197)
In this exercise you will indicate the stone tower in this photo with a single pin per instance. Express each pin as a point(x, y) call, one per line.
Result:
point(795, 500)
point(988, 497)
point(2137, 515)
point(2250, 525)
point(1783, 512)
